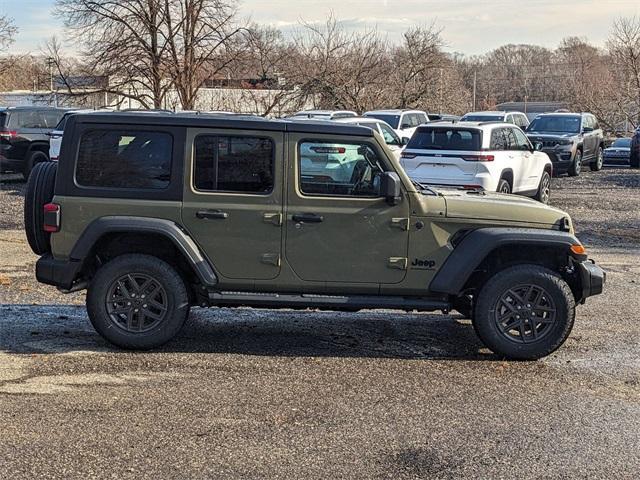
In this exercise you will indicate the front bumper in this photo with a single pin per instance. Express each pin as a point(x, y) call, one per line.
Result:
point(59, 273)
point(593, 278)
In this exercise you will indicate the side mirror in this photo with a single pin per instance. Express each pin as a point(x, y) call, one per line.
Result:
point(390, 188)
point(404, 125)
point(587, 130)
point(537, 146)
point(405, 141)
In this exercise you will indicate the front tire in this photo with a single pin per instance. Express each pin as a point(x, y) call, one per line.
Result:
point(34, 159)
point(544, 188)
point(576, 166)
point(503, 186)
point(524, 312)
point(137, 302)
point(596, 165)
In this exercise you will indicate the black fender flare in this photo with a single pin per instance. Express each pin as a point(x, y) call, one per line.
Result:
point(478, 244)
point(130, 224)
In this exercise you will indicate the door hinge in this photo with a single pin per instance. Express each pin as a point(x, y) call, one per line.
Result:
point(273, 218)
point(271, 259)
point(399, 263)
point(401, 223)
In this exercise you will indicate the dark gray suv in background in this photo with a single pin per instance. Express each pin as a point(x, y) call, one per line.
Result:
point(24, 136)
point(570, 139)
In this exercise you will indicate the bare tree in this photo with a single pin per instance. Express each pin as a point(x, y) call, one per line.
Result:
point(199, 36)
point(624, 48)
point(7, 36)
point(125, 40)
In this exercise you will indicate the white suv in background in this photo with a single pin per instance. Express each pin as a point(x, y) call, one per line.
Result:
point(517, 118)
point(404, 122)
point(55, 136)
point(391, 138)
point(492, 156)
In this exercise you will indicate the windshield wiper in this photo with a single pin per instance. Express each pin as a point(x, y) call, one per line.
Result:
point(424, 187)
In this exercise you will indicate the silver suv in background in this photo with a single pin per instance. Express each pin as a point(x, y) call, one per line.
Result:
point(404, 122)
point(517, 118)
point(322, 114)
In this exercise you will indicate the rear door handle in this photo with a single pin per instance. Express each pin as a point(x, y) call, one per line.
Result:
point(307, 218)
point(212, 215)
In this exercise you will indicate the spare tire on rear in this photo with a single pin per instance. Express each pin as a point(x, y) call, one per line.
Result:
point(39, 192)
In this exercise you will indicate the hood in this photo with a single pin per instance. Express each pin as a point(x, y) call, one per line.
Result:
point(500, 208)
point(617, 149)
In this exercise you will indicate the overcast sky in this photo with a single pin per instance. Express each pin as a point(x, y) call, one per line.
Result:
point(468, 26)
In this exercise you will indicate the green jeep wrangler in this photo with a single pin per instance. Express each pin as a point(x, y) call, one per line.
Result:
point(155, 214)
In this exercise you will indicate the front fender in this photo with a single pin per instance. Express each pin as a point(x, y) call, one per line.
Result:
point(478, 244)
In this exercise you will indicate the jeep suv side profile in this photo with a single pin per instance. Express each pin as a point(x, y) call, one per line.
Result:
point(24, 140)
point(570, 139)
point(154, 214)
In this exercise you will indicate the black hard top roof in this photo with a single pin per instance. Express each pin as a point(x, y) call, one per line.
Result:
point(221, 121)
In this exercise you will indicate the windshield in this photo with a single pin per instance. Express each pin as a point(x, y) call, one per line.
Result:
point(482, 118)
point(392, 120)
point(446, 139)
point(560, 124)
point(622, 142)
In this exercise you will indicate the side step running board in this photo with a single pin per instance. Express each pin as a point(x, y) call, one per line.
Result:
point(326, 302)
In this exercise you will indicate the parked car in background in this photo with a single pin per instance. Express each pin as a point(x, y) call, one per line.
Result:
point(443, 117)
point(634, 154)
point(496, 157)
point(55, 136)
point(323, 114)
point(570, 139)
point(517, 118)
point(404, 122)
point(618, 153)
point(24, 139)
point(391, 138)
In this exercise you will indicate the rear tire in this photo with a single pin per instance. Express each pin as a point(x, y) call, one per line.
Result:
point(36, 157)
point(596, 165)
point(634, 160)
point(503, 186)
point(576, 166)
point(524, 312)
point(39, 191)
point(544, 188)
point(137, 302)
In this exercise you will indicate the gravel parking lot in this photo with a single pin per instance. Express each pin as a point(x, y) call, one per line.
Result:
point(260, 394)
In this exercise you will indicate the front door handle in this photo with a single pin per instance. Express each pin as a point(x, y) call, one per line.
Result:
point(307, 218)
point(211, 215)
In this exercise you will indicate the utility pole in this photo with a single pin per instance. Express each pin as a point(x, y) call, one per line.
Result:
point(50, 63)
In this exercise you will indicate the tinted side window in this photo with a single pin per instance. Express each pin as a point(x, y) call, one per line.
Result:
point(498, 140)
point(339, 169)
point(594, 120)
point(521, 139)
point(51, 118)
point(234, 164)
point(124, 159)
point(390, 137)
point(426, 138)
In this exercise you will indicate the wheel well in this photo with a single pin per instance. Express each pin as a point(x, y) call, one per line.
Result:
point(39, 147)
point(552, 257)
point(508, 176)
point(548, 168)
point(112, 245)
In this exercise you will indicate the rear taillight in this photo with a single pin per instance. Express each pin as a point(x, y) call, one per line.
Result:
point(51, 221)
point(478, 158)
point(8, 134)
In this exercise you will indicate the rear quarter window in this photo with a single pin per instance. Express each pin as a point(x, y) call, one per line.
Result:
point(124, 159)
point(446, 139)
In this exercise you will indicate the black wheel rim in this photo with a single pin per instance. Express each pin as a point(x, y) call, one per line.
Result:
point(525, 314)
point(545, 189)
point(137, 302)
